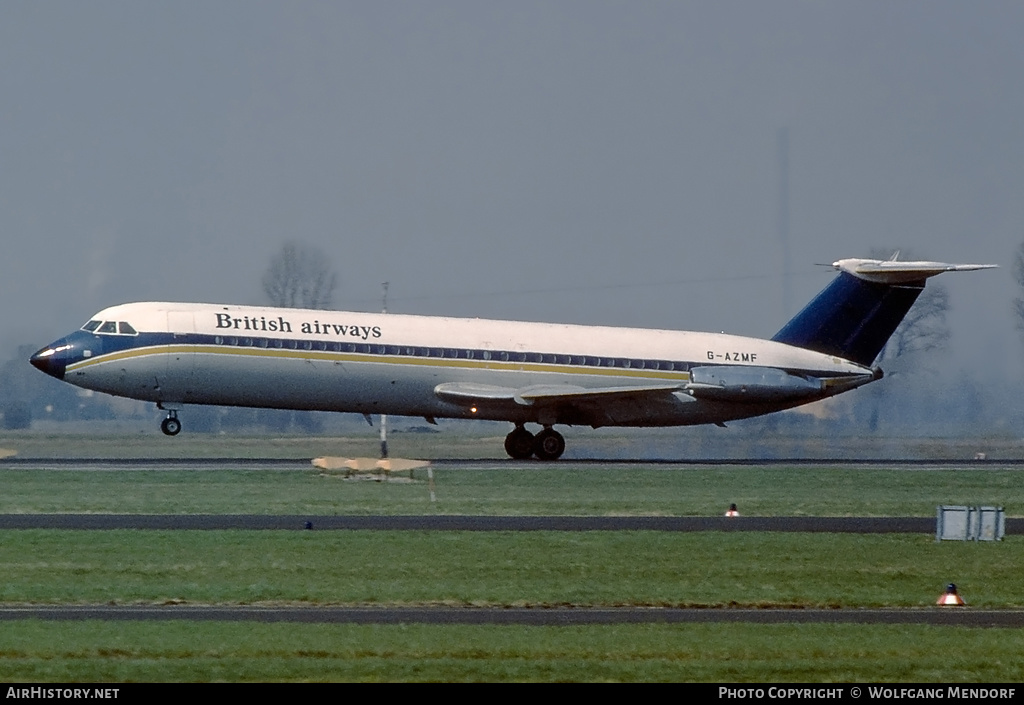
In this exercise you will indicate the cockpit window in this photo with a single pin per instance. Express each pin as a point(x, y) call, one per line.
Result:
point(108, 327)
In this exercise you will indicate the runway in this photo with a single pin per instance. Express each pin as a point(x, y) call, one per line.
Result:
point(536, 616)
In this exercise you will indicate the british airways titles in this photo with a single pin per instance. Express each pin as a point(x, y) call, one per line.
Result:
point(280, 325)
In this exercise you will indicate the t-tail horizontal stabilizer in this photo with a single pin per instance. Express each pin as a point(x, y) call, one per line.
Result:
point(855, 315)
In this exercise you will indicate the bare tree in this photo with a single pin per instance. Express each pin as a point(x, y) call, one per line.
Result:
point(924, 328)
point(1018, 276)
point(299, 277)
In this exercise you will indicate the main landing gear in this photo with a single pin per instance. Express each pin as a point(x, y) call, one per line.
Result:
point(546, 445)
point(171, 426)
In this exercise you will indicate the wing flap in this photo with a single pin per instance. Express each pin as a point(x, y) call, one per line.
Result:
point(564, 393)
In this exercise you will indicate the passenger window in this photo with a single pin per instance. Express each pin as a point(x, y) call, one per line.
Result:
point(126, 329)
point(108, 327)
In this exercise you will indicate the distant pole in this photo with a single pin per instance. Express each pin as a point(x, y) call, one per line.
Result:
point(783, 222)
point(384, 417)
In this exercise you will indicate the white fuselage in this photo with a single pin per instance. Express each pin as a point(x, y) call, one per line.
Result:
point(178, 353)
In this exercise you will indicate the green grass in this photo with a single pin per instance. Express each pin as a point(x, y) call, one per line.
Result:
point(469, 568)
point(466, 439)
point(503, 568)
point(195, 651)
point(463, 441)
point(518, 489)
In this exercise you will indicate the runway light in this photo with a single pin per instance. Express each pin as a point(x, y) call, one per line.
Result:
point(950, 597)
point(732, 512)
point(473, 409)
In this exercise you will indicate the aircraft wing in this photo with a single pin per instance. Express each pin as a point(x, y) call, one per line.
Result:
point(596, 406)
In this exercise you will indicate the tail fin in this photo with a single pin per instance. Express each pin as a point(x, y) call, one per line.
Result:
point(856, 314)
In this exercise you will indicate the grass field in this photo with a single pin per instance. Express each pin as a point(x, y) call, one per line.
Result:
point(479, 440)
point(534, 568)
point(724, 653)
point(645, 568)
point(521, 489)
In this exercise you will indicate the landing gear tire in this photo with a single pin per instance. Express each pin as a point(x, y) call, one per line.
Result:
point(171, 426)
point(519, 443)
point(548, 444)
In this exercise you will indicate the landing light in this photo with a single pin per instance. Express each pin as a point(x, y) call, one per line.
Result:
point(54, 351)
point(472, 409)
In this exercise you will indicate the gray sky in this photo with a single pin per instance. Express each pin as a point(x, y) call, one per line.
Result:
point(592, 162)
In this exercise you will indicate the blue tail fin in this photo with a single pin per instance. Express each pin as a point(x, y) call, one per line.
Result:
point(856, 314)
point(852, 318)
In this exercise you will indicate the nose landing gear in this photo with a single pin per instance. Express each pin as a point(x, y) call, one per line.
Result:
point(170, 425)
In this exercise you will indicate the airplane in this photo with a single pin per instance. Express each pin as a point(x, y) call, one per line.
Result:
point(524, 373)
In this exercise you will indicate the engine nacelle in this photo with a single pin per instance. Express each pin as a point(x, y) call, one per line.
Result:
point(740, 383)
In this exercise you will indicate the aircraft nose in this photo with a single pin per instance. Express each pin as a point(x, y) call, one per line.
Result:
point(50, 360)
